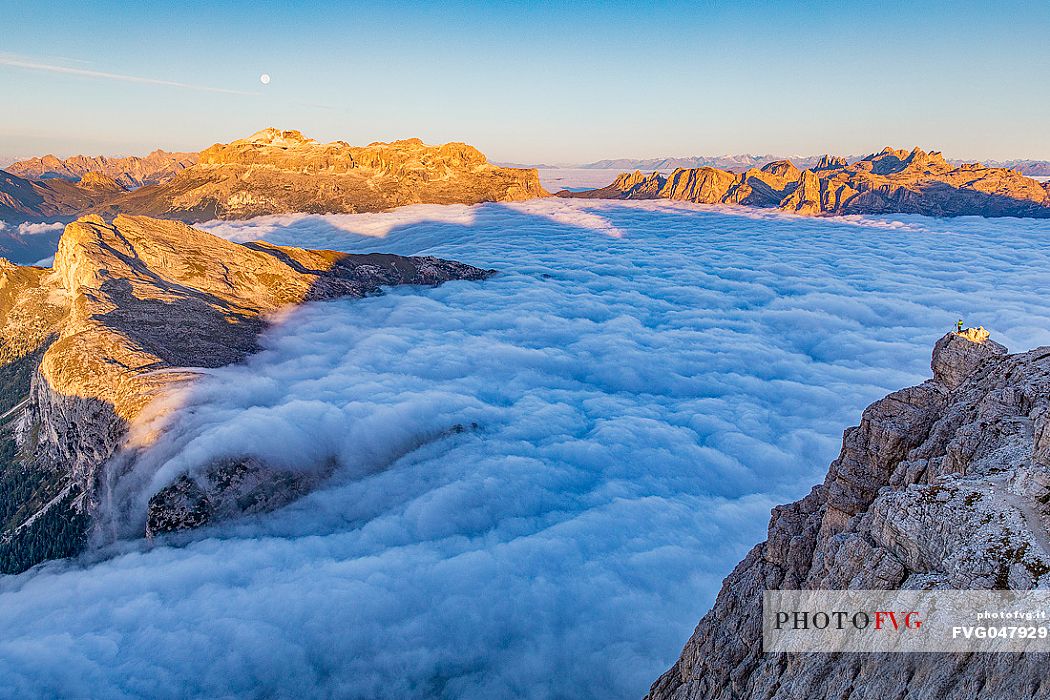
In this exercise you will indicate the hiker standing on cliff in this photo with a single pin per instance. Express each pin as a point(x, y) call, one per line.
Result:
point(958, 326)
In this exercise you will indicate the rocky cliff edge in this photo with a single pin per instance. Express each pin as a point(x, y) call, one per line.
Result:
point(942, 485)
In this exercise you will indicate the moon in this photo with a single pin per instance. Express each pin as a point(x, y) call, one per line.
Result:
point(264, 78)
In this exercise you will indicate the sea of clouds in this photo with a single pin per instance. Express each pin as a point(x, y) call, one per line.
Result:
point(30, 243)
point(557, 179)
point(543, 477)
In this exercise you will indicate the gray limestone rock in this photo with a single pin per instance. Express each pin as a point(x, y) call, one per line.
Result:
point(942, 485)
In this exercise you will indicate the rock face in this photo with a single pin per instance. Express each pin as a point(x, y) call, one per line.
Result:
point(226, 490)
point(86, 345)
point(270, 172)
point(942, 485)
point(889, 182)
point(129, 172)
point(829, 162)
point(100, 182)
point(629, 186)
point(956, 355)
point(277, 172)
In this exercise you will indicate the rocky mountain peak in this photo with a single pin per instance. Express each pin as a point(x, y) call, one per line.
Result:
point(632, 185)
point(782, 168)
point(830, 162)
point(278, 138)
point(95, 180)
point(957, 355)
point(891, 151)
point(626, 181)
point(919, 161)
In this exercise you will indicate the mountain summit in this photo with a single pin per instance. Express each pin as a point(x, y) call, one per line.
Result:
point(274, 171)
point(270, 172)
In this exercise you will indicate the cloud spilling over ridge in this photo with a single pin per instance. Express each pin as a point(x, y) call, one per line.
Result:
point(640, 402)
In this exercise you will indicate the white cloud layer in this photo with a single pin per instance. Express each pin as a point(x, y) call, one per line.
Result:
point(641, 402)
point(29, 229)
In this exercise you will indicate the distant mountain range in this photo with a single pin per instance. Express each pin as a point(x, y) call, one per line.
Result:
point(744, 161)
point(129, 171)
point(1031, 168)
point(889, 182)
point(733, 163)
point(524, 166)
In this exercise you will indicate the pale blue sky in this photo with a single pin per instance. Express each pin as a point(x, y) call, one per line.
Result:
point(532, 81)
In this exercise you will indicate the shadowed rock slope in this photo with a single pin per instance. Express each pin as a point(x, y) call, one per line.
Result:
point(942, 485)
point(889, 182)
point(33, 200)
point(87, 345)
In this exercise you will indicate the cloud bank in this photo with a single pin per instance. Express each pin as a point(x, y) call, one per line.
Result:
point(31, 229)
point(640, 403)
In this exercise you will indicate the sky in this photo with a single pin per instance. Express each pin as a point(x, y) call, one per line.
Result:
point(563, 82)
point(639, 384)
